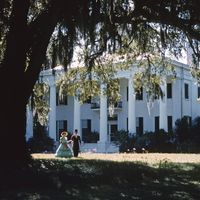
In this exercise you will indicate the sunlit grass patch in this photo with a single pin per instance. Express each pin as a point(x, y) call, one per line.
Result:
point(150, 158)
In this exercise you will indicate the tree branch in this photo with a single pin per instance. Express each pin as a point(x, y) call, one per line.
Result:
point(38, 42)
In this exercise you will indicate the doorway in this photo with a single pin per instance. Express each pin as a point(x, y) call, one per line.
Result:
point(112, 130)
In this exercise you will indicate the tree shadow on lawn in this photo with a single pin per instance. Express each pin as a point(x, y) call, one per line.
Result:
point(96, 179)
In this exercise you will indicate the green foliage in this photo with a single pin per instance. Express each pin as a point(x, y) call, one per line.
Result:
point(188, 135)
point(40, 142)
point(76, 83)
point(182, 130)
point(151, 70)
point(159, 141)
point(85, 84)
point(196, 74)
point(184, 138)
point(104, 36)
point(124, 140)
point(90, 137)
point(151, 83)
point(40, 102)
point(195, 130)
point(104, 26)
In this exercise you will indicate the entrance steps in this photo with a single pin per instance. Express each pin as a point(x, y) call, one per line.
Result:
point(94, 148)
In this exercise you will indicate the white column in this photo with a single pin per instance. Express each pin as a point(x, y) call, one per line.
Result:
point(29, 122)
point(177, 99)
point(122, 115)
point(103, 139)
point(103, 116)
point(163, 108)
point(131, 108)
point(77, 116)
point(52, 113)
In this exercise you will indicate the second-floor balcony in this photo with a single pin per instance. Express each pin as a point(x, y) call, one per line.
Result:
point(96, 105)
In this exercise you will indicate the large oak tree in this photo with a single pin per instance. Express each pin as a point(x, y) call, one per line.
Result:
point(28, 28)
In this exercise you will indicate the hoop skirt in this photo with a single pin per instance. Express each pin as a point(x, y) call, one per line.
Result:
point(63, 149)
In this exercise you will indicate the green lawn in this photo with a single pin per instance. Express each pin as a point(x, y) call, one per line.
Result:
point(98, 179)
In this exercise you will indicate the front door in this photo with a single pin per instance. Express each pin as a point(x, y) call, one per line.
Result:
point(112, 129)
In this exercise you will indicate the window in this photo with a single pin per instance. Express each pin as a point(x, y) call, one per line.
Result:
point(127, 93)
point(127, 123)
point(198, 92)
point(169, 90)
point(139, 125)
point(113, 132)
point(157, 125)
point(169, 123)
point(86, 129)
point(139, 94)
point(186, 91)
point(61, 125)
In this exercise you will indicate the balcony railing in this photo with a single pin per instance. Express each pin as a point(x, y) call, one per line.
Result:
point(96, 105)
point(118, 104)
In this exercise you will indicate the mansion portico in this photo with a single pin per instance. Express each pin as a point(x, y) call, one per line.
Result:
point(131, 113)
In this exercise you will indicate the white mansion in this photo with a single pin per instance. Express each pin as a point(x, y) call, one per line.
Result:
point(130, 114)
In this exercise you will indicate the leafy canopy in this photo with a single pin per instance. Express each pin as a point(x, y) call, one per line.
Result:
point(106, 26)
point(145, 29)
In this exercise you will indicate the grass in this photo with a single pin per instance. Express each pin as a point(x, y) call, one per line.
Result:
point(109, 177)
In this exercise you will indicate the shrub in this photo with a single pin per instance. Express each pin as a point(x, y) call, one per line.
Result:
point(91, 137)
point(142, 141)
point(124, 140)
point(195, 133)
point(159, 141)
point(40, 142)
point(187, 135)
point(162, 141)
point(182, 130)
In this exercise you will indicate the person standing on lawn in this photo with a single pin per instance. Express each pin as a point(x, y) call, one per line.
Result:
point(76, 141)
point(64, 149)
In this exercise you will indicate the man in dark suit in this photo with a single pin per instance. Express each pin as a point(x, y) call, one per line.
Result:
point(76, 141)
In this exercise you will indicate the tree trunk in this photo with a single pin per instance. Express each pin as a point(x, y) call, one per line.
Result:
point(12, 102)
point(13, 152)
point(17, 81)
point(13, 125)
